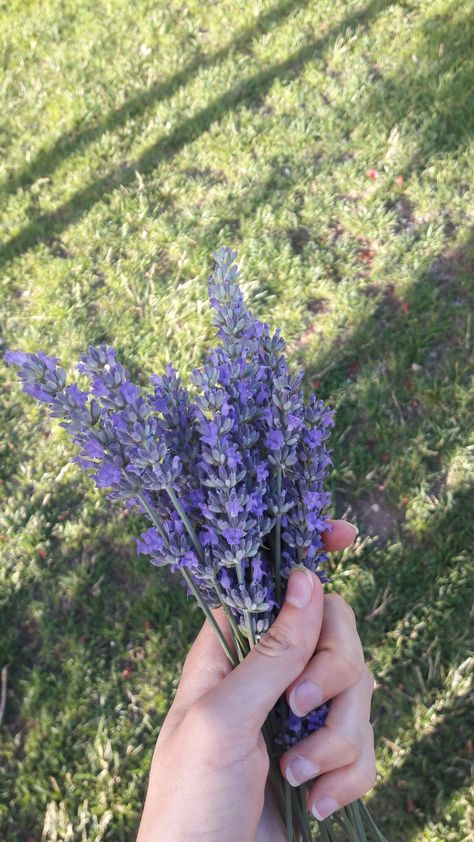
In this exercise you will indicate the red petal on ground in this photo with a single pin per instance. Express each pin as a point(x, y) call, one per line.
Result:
point(373, 174)
point(405, 307)
point(367, 254)
point(399, 179)
point(42, 553)
point(125, 673)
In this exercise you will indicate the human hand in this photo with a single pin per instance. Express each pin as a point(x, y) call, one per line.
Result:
point(209, 773)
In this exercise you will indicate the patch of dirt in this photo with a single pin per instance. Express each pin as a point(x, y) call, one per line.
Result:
point(316, 306)
point(337, 231)
point(233, 224)
point(373, 515)
point(299, 237)
point(260, 104)
point(449, 266)
point(58, 249)
point(406, 222)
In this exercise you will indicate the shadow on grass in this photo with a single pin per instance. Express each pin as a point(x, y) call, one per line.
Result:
point(79, 136)
point(436, 766)
point(47, 226)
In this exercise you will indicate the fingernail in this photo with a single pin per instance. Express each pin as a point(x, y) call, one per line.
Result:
point(355, 528)
point(299, 770)
point(305, 697)
point(324, 807)
point(300, 587)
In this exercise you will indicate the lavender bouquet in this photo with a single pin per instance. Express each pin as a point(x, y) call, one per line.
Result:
point(231, 480)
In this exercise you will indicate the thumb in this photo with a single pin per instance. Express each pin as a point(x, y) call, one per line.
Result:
point(251, 690)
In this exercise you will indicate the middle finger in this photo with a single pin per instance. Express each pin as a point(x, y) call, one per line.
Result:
point(337, 664)
point(339, 742)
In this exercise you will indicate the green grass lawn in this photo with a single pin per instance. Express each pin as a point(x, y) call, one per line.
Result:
point(135, 138)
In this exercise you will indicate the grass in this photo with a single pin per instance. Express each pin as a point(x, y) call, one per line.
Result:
point(134, 141)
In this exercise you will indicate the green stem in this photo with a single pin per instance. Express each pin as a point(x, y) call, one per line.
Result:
point(210, 617)
point(354, 813)
point(378, 835)
point(153, 516)
point(197, 546)
point(288, 813)
point(346, 823)
point(324, 832)
point(187, 523)
point(247, 614)
point(302, 812)
point(230, 618)
point(207, 611)
point(301, 829)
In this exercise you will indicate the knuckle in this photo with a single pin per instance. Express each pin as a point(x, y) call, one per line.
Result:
point(351, 666)
point(368, 778)
point(347, 748)
point(371, 743)
point(275, 642)
point(369, 769)
point(368, 677)
point(262, 762)
point(351, 751)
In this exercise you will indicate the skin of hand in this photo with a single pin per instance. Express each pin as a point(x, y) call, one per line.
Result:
point(208, 778)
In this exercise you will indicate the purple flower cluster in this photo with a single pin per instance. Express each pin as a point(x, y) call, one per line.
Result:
point(231, 478)
point(298, 728)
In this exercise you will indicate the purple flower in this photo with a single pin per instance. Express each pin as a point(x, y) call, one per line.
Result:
point(233, 505)
point(130, 392)
point(209, 537)
point(40, 374)
point(209, 433)
point(108, 475)
point(18, 358)
point(275, 440)
point(34, 390)
point(233, 535)
point(149, 542)
point(298, 728)
point(94, 448)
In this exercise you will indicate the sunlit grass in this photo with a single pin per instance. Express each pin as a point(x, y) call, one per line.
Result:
point(330, 143)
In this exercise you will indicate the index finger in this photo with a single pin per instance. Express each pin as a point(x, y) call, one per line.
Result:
point(337, 664)
point(341, 535)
